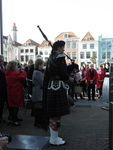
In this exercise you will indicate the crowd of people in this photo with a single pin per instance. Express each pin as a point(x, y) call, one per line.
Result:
point(48, 83)
point(91, 78)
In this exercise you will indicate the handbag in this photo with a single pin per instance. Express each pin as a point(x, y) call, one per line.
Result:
point(78, 89)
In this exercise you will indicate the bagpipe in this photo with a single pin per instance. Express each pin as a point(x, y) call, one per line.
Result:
point(72, 66)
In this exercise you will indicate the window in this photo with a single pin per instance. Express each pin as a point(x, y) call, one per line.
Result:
point(22, 58)
point(68, 45)
point(108, 44)
point(46, 44)
point(31, 50)
point(95, 54)
point(5, 45)
point(27, 58)
point(103, 44)
point(88, 38)
point(84, 46)
point(66, 35)
point(103, 55)
point(108, 55)
point(46, 58)
point(88, 55)
point(91, 46)
point(40, 53)
point(82, 63)
point(22, 51)
point(46, 52)
point(4, 40)
point(68, 54)
point(74, 55)
point(32, 57)
point(26, 50)
point(27, 43)
point(74, 45)
point(81, 55)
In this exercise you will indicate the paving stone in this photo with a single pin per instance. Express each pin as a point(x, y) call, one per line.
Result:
point(85, 128)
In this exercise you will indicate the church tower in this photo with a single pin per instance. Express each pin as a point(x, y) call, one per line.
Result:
point(14, 32)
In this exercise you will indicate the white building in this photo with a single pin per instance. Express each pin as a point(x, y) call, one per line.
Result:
point(44, 50)
point(28, 51)
point(87, 46)
point(10, 49)
point(5, 43)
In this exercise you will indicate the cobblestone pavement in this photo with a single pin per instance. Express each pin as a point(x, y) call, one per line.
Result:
point(85, 128)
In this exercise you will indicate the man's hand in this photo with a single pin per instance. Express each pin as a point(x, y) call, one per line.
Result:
point(72, 79)
point(3, 142)
point(91, 81)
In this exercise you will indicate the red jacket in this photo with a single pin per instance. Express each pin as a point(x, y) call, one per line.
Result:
point(88, 76)
point(15, 91)
point(101, 76)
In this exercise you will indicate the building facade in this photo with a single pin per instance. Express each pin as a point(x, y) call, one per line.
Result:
point(44, 50)
point(28, 51)
point(105, 48)
point(5, 49)
point(87, 46)
point(71, 45)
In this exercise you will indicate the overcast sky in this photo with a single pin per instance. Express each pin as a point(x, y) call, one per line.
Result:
point(56, 16)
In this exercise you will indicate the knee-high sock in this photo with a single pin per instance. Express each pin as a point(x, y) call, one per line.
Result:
point(54, 123)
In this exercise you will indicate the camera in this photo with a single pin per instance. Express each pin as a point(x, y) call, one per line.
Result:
point(6, 135)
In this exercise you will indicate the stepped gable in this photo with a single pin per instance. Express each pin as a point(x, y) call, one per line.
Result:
point(61, 35)
point(88, 35)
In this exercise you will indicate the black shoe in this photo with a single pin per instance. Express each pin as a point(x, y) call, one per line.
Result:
point(18, 119)
point(89, 99)
point(16, 124)
point(9, 122)
point(2, 121)
point(94, 99)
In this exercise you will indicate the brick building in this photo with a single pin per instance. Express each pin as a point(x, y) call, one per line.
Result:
point(71, 46)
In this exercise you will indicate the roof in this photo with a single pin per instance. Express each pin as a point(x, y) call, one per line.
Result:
point(16, 43)
point(88, 35)
point(43, 43)
point(61, 35)
point(31, 43)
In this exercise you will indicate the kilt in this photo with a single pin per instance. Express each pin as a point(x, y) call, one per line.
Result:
point(57, 103)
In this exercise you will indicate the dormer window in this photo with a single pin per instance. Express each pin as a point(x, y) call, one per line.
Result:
point(88, 38)
point(66, 35)
point(46, 44)
point(27, 43)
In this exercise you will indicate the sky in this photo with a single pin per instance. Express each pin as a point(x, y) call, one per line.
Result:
point(56, 16)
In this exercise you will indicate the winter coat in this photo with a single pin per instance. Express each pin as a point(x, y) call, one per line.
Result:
point(37, 85)
point(15, 91)
point(3, 88)
point(101, 76)
point(88, 76)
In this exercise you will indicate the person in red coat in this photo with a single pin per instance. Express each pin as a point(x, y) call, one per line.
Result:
point(100, 79)
point(14, 78)
point(91, 77)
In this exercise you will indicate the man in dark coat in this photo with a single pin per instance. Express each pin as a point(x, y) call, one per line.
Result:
point(29, 69)
point(3, 88)
point(91, 77)
point(55, 85)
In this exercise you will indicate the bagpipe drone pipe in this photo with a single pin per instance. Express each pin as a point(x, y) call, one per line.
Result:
point(72, 66)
